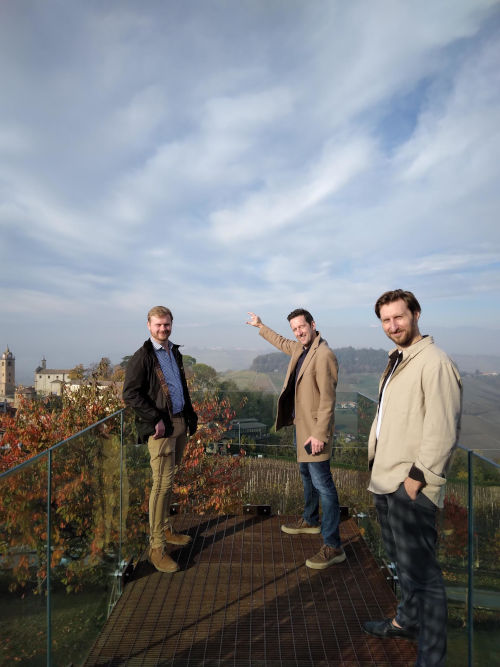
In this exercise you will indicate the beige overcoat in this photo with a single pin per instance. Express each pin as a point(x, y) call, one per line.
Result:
point(313, 395)
point(420, 421)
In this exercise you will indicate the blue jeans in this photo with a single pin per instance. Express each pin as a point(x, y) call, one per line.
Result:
point(318, 485)
point(409, 536)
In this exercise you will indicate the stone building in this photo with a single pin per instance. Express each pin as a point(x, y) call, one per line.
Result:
point(7, 374)
point(26, 393)
point(49, 381)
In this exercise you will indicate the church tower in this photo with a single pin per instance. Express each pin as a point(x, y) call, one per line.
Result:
point(7, 374)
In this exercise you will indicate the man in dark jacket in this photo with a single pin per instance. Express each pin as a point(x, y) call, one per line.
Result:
point(155, 387)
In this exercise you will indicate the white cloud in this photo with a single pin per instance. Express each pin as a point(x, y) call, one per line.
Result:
point(278, 207)
point(257, 156)
point(461, 125)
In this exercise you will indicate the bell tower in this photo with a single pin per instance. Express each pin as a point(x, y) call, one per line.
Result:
point(7, 374)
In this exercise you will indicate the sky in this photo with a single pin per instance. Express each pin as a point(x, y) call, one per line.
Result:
point(221, 157)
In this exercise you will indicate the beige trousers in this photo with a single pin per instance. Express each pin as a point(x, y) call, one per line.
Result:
point(166, 454)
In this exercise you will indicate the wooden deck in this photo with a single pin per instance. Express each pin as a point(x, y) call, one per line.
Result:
point(244, 597)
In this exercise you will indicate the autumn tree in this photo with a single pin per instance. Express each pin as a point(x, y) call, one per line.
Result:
point(104, 369)
point(118, 374)
point(77, 373)
point(208, 483)
point(85, 482)
point(77, 484)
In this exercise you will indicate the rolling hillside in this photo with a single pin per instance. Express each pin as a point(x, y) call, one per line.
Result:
point(360, 371)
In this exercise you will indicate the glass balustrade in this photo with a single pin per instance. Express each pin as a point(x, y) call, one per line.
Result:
point(23, 564)
point(95, 485)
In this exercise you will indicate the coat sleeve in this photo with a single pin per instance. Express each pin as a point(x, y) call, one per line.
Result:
point(326, 379)
point(135, 390)
point(443, 406)
point(284, 344)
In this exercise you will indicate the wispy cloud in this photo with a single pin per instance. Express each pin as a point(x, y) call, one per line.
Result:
point(283, 204)
point(221, 159)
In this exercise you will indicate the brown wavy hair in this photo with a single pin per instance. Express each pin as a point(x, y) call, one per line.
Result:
point(394, 295)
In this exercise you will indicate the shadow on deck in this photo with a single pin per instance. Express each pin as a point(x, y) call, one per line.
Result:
point(245, 597)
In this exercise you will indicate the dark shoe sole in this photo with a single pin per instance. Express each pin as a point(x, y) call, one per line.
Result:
point(185, 540)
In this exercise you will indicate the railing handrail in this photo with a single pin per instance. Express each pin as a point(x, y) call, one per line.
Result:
point(52, 448)
point(459, 446)
point(480, 456)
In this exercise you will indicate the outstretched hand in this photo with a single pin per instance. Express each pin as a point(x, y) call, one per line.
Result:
point(254, 320)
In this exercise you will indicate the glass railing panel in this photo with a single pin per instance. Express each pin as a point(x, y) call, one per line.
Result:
point(85, 537)
point(486, 555)
point(276, 480)
point(23, 565)
point(452, 555)
point(136, 475)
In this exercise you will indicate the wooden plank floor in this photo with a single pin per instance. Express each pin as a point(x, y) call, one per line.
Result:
point(245, 597)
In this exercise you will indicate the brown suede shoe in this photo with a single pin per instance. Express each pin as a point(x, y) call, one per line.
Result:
point(176, 538)
point(325, 557)
point(161, 560)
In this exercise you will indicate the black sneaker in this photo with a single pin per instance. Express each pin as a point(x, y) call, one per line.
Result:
point(387, 630)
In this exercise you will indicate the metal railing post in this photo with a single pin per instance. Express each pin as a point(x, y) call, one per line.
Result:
point(121, 494)
point(470, 561)
point(49, 549)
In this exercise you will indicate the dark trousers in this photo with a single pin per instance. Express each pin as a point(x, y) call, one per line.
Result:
point(409, 536)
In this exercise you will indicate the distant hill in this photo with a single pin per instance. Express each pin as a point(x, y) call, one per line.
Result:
point(251, 380)
point(470, 363)
point(222, 359)
point(360, 371)
point(481, 414)
point(351, 360)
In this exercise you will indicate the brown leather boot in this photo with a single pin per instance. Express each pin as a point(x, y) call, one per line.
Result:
point(176, 538)
point(161, 560)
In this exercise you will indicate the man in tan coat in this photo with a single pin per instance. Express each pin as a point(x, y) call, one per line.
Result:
point(412, 438)
point(307, 400)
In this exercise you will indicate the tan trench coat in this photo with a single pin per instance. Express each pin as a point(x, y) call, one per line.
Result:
point(313, 395)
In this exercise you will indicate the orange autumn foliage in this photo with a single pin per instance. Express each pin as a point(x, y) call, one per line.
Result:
point(85, 478)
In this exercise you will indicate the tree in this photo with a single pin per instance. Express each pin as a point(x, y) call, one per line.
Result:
point(118, 374)
point(204, 376)
point(188, 361)
point(207, 483)
point(85, 483)
point(77, 489)
point(125, 360)
point(77, 373)
point(104, 369)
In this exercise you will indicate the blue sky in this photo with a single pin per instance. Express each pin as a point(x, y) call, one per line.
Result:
point(219, 157)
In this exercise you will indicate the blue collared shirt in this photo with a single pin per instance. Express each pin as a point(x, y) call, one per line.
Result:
point(171, 374)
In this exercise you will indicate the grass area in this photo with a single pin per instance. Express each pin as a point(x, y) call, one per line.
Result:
point(76, 622)
point(346, 421)
point(485, 651)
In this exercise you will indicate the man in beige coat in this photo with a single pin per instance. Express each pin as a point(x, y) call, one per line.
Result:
point(307, 400)
point(413, 435)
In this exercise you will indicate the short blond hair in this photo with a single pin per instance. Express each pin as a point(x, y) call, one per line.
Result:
point(160, 311)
